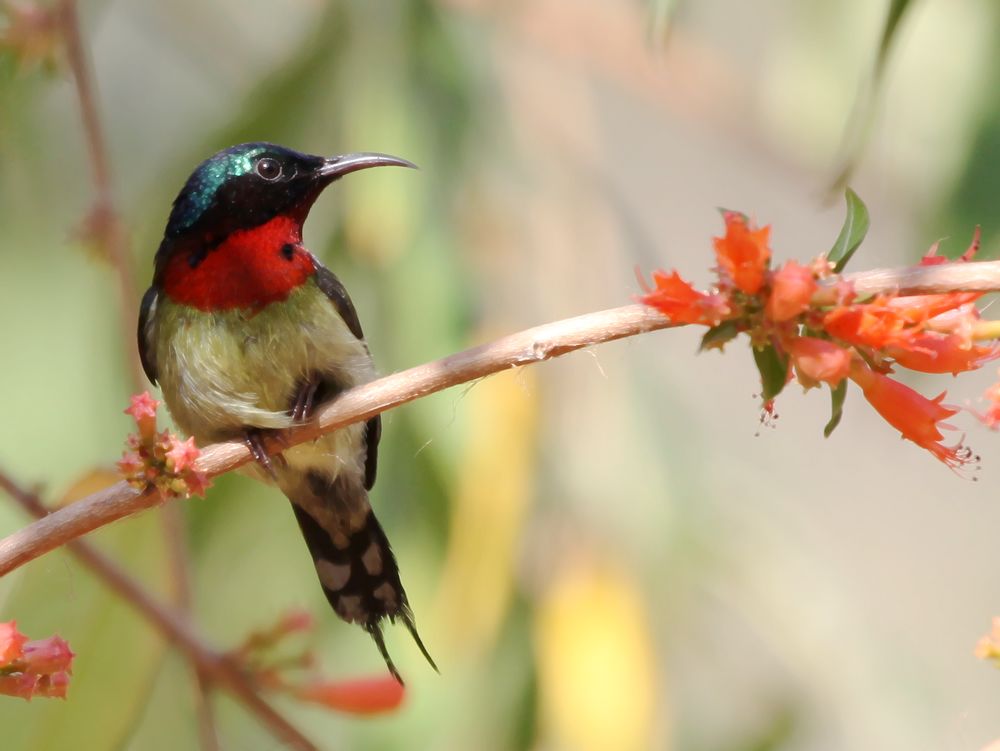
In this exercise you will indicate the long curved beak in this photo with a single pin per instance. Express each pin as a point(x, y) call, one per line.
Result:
point(338, 166)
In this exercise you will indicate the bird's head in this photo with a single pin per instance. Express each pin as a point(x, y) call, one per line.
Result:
point(248, 185)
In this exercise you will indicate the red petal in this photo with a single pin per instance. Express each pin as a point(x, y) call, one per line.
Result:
point(792, 288)
point(743, 253)
point(362, 696)
point(918, 418)
point(11, 643)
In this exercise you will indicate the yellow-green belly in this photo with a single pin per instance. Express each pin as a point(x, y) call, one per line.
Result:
point(221, 372)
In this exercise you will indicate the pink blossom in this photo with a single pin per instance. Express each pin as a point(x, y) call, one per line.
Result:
point(181, 454)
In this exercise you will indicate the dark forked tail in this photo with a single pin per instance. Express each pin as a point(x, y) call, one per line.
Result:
point(355, 564)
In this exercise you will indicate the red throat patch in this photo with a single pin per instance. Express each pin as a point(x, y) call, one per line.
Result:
point(249, 269)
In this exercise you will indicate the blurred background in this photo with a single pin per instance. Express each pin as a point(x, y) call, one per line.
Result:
point(604, 552)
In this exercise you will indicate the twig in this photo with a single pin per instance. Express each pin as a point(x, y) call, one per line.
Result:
point(174, 627)
point(363, 402)
point(109, 233)
point(177, 551)
point(981, 276)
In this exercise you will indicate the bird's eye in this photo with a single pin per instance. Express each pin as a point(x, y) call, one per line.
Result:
point(269, 169)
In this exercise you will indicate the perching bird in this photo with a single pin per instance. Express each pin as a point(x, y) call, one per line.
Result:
point(246, 331)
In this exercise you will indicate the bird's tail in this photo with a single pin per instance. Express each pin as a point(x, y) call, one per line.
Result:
point(355, 564)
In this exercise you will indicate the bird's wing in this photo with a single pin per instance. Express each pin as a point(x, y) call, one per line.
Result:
point(331, 286)
point(145, 334)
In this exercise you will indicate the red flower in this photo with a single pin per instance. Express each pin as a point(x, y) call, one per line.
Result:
point(28, 685)
point(682, 303)
point(871, 325)
point(181, 454)
point(143, 411)
point(143, 405)
point(288, 623)
point(363, 696)
point(11, 643)
point(33, 668)
point(992, 416)
point(792, 287)
point(919, 419)
point(920, 308)
point(743, 253)
point(196, 483)
point(53, 686)
point(161, 459)
point(931, 258)
point(818, 360)
point(941, 353)
point(47, 656)
point(21, 685)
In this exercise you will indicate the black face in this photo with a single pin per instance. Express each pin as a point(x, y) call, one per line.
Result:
point(245, 186)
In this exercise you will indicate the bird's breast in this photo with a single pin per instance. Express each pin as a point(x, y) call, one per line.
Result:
point(221, 371)
point(248, 270)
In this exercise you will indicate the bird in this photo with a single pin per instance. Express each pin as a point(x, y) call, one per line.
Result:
point(245, 332)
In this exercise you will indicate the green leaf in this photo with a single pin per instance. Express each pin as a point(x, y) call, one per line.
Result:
point(837, 397)
point(773, 369)
point(853, 232)
point(717, 336)
point(859, 124)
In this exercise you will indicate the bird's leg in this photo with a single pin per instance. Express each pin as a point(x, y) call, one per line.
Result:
point(312, 391)
point(300, 411)
point(305, 400)
point(254, 439)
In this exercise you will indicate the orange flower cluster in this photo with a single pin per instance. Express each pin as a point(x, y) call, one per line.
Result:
point(33, 668)
point(818, 343)
point(160, 460)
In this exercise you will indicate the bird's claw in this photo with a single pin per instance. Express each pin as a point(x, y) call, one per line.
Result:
point(254, 439)
point(305, 401)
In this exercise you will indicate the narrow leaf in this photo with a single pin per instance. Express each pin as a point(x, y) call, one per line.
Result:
point(859, 124)
point(717, 336)
point(773, 369)
point(837, 397)
point(853, 232)
point(897, 10)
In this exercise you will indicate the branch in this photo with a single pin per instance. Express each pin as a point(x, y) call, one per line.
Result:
point(218, 667)
point(108, 232)
point(105, 222)
point(363, 402)
point(980, 276)
point(355, 405)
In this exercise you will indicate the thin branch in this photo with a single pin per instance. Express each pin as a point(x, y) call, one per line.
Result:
point(363, 402)
point(108, 231)
point(180, 577)
point(981, 276)
point(104, 216)
point(355, 405)
point(174, 627)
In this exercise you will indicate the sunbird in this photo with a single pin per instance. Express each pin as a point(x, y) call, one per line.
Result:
point(246, 331)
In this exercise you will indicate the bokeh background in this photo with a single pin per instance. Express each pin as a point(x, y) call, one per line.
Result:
point(605, 552)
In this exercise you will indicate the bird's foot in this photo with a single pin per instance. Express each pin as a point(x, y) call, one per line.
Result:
point(254, 438)
point(305, 401)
